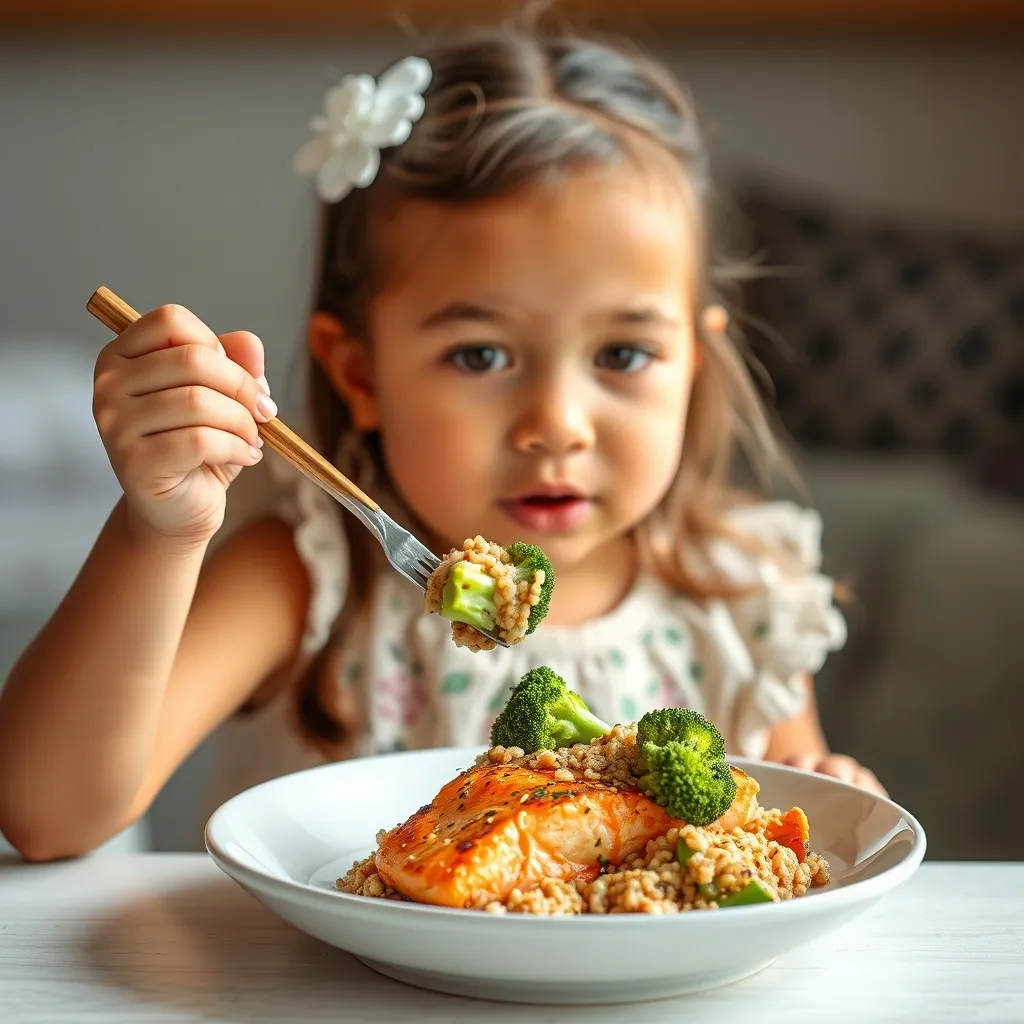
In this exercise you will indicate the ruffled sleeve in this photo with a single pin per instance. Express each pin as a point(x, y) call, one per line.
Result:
point(321, 544)
point(769, 640)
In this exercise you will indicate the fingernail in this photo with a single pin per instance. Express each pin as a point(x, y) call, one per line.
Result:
point(262, 381)
point(266, 406)
point(259, 441)
point(255, 452)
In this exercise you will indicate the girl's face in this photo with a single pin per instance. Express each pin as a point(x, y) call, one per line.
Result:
point(532, 359)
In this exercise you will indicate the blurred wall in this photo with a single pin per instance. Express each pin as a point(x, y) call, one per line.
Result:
point(161, 168)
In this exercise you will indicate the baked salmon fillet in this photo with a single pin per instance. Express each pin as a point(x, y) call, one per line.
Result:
point(499, 827)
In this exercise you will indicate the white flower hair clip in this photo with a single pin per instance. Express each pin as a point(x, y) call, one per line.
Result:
point(360, 117)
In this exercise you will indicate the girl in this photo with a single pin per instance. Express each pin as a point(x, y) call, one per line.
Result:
point(516, 334)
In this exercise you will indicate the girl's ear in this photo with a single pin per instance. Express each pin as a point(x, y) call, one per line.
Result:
point(349, 367)
point(713, 320)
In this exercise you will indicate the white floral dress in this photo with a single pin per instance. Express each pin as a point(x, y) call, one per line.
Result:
point(739, 662)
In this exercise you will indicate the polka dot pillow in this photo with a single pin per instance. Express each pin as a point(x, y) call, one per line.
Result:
point(893, 336)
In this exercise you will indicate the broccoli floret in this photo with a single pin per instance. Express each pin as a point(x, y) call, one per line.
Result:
point(529, 560)
point(684, 755)
point(542, 713)
point(681, 724)
point(468, 596)
point(469, 593)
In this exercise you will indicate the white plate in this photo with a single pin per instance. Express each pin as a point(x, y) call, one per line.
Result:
point(286, 841)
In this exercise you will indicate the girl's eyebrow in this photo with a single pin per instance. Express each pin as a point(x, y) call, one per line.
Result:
point(469, 312)
point(460, 312)
point(641, 315)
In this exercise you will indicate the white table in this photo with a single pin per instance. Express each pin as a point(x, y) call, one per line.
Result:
point(147, 937)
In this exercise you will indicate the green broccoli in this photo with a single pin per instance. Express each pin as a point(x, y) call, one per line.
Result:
point(686, 772)
point(542, 713)
point(468, 595)
point(529, 560)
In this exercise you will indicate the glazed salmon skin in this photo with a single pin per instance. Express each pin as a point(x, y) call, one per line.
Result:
point(496, 828)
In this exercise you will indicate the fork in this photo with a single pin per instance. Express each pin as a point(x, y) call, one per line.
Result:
point(407, 555)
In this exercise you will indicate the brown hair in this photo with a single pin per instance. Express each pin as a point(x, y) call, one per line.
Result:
point(511, 106)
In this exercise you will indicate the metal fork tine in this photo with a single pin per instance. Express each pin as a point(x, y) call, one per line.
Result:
point(423, 576)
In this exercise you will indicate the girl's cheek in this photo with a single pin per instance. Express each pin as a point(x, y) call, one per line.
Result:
point(656, 456)
point(433, 451)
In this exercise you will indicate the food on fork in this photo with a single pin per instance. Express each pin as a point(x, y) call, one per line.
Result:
point(483, 586)
point(588, 818)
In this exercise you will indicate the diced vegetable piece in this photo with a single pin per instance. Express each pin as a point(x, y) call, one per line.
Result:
point(754, 892)
point(683, 853)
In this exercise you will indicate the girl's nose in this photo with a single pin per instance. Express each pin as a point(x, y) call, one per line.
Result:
point(556, 420)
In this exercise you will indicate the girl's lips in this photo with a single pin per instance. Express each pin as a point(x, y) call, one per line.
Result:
point(544, 514)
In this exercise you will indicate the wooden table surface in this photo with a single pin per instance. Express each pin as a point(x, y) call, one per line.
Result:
point(153, 937)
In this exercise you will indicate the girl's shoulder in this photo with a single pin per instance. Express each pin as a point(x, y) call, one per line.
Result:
point(776, 620)
point(765, 574)
point(767, 541)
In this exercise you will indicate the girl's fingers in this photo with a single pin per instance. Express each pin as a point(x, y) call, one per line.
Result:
point(189, 365)
point(191, 406)
point(168, 456)
point(164, 327)
point(837, 766)
point(866, 779)
point(806, 762)
point(846, 769)
point(246, 350)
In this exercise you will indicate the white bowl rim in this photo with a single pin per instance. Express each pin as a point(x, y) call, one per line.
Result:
point(861, 891)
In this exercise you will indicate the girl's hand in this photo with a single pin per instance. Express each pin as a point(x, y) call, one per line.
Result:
point(177, 409)
point(839, 766)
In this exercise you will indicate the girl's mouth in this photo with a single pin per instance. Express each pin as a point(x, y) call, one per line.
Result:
point(548, 512)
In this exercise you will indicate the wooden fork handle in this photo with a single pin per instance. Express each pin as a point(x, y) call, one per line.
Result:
point(116, 314)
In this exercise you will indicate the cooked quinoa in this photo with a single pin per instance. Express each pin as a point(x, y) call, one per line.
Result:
point(651, 882)
point(514, 599)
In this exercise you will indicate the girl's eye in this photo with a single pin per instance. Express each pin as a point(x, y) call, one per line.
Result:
point(624, 358)
point(479, 358)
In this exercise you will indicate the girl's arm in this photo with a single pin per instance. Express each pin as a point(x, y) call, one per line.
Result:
point(137, 665)
point(133, 670)
point(800, 742)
